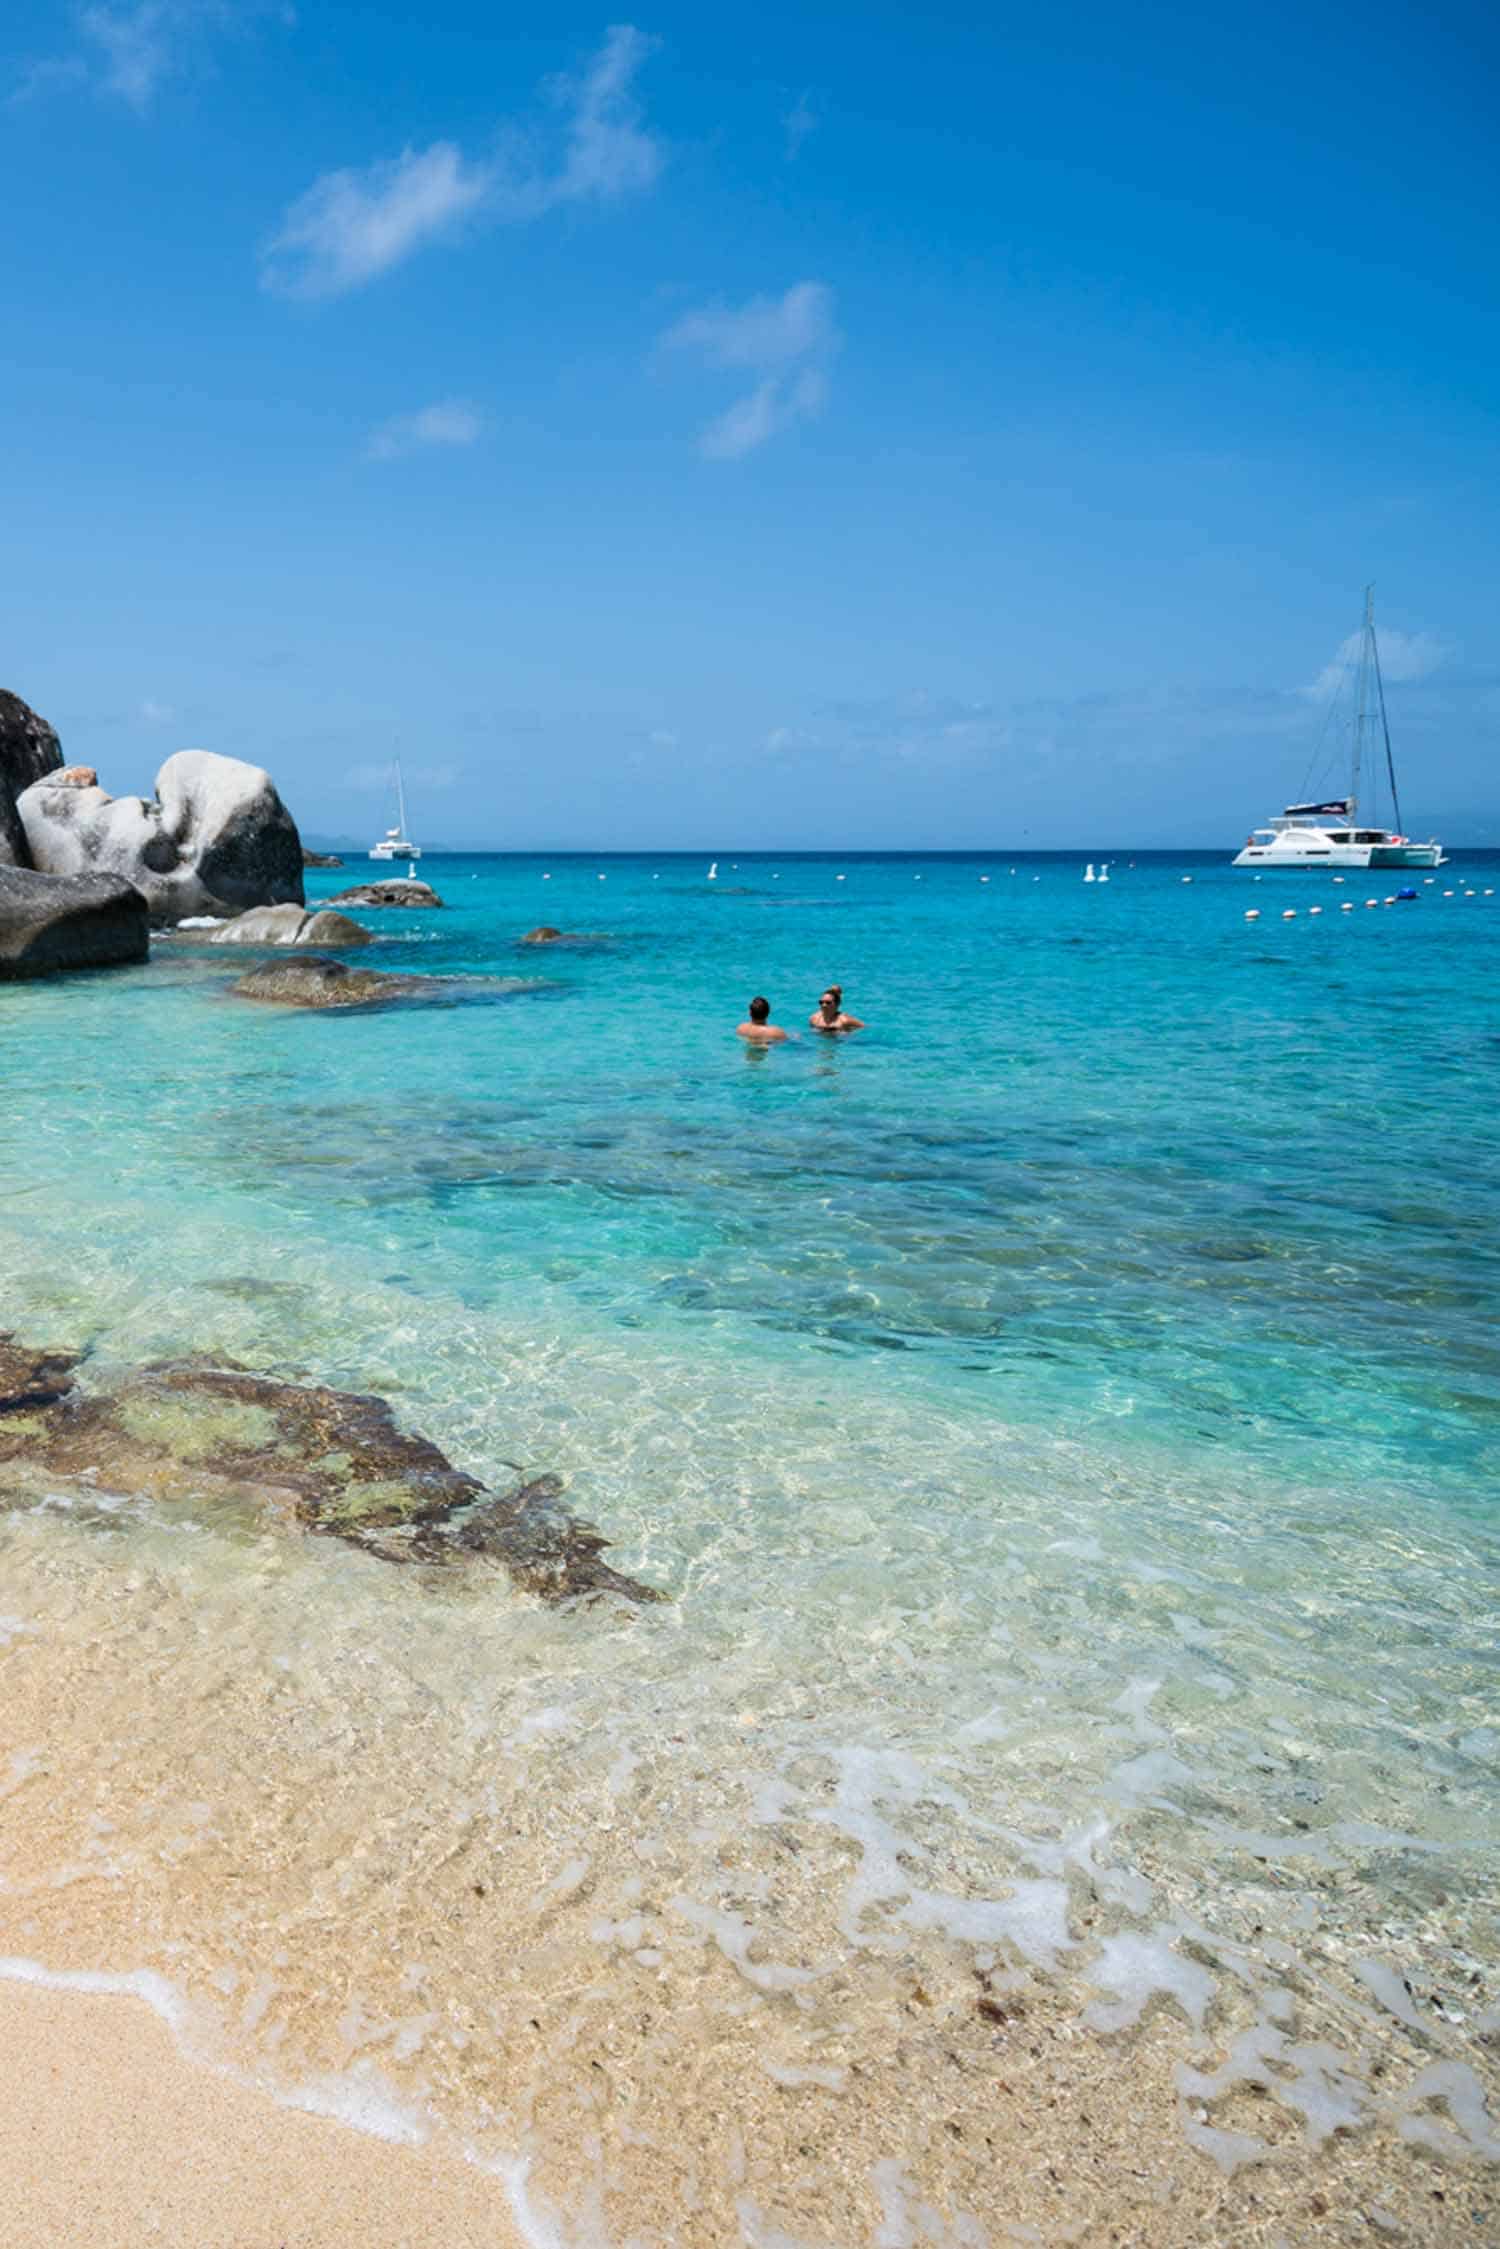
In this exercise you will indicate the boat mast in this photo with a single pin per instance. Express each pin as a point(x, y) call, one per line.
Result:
point(1363, 700)
point(400, 801)
point(1390, 762)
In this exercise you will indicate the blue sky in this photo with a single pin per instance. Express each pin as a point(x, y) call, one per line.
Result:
point(735, 428)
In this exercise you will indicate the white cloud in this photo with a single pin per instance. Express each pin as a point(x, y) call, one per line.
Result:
point(608, 151)
point(773, 405)
point(800, 120)
point(354, 224)
point(1403, 656)
point(451, 421)
point(789, 340)
point(661, 738)
point(157, 714)
point(131, 51)
point(350, 226)
point(766, 332)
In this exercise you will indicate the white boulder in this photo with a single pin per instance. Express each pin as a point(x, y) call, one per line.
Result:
point(215, 839)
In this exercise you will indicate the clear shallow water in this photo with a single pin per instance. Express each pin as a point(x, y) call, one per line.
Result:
point(1067, 1419)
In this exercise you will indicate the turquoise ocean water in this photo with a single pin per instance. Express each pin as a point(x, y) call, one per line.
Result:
point(1066, 1417)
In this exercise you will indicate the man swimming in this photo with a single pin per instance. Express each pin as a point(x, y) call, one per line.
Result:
point(829, 1014)
point(760, 1030)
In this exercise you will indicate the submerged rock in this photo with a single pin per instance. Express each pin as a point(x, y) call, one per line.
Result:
point(216, 839)
point(398, 892)
point(290, 925)
point(320, 858)
point(28, 748)
point(543, 934)
point(68, 921)
point(329, 1462)
point(312, 980)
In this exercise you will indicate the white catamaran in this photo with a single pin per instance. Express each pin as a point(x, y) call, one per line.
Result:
point(395, 843)
point(1327, 834)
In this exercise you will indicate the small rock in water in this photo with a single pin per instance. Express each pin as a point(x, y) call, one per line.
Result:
point(330, 1462)
point(289, 925)
point(312, 980)
point(398, 892)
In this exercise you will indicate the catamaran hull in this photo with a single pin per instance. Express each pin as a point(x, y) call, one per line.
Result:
point(1314, 859)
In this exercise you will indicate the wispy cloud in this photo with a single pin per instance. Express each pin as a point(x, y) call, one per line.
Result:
point(1403, 656)
point(789, 340)
point(131, 52)
point(157, 714)
point(354, 224)
point(350, 226)
point(800, 120)
point(451, 421)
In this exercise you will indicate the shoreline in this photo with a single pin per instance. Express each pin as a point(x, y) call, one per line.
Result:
point(110, 2134)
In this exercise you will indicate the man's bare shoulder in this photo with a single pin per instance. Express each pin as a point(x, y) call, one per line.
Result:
point(760, 1034)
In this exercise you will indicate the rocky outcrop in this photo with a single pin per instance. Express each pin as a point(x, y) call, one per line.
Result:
point(543, 934)
point(216, 839)
point(302, 1457)
point(320, 858)
point(312, 980)
point(28, 748)
point(289, 925)
point(397, 893)
point(68, 921)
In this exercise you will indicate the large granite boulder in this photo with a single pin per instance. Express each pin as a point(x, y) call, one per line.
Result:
point(68, 921)
point(290, 925)
point(28, 748)
point(216, 838)
point(404, 890)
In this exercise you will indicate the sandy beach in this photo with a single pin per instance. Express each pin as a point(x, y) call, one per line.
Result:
point(108, 2136)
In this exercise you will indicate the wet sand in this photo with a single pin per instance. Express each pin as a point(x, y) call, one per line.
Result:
point(108, 2136)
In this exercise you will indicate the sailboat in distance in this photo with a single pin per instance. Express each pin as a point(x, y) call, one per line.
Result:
point(395, 843)
point(1327, 834)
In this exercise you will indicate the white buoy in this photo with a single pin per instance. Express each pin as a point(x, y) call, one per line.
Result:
point(1429, 878)
point(985, 878)
point(1347, 907)
point(546, 878)
point(1252, 913)
point(1104, 872)
point(838, 878)
point(1447, 894)
point(1489, 894)
point(1187, 878)
point(1315, 909)
point(1289, 913)
point(1338, 878)
point(1372, 901)
point(1088, 872)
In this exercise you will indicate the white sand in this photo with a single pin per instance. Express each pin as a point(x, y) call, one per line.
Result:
point(109, 2138)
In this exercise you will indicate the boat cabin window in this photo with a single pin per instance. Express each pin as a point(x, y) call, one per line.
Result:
point(1343, 836)
point(1370, 835)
